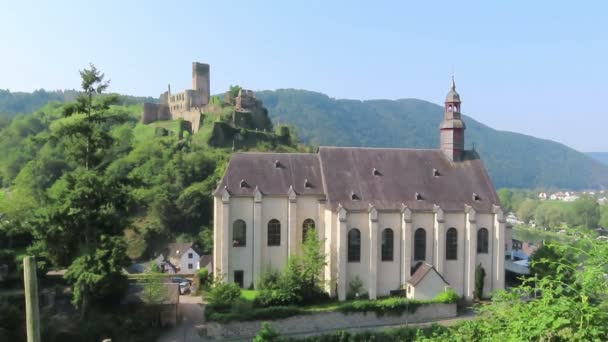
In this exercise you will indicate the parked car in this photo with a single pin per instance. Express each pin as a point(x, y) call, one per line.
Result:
point(179, 280)
point(184, 288)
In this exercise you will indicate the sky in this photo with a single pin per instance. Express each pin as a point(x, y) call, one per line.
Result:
point(534, 67)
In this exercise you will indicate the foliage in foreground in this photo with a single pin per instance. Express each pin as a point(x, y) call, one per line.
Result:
point(567, 304)
point(403, 334)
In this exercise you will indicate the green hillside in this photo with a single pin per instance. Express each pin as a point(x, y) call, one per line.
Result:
point(513, 160)
point(602, 157)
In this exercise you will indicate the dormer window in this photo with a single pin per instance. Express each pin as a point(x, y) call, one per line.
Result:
point(307, 184)
point(243, 184)
point(277, 164)
point(436, 173)
point(354, 196)
point(376, 172)
point(476, 197)
point(418, 197)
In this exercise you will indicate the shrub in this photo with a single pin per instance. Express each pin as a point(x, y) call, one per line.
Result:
point(223, 295)
point(393, 305)
point(274, 312)
point(355, 289)
point(299, 283)
point(269, 280)
point(266, 334)
point(480, 274)
point(202, 279)
point(448, 296)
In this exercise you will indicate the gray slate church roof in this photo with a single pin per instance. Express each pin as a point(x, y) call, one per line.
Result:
point(356, 178)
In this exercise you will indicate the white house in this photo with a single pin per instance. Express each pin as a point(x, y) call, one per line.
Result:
point(380, 212)
point(183, 258)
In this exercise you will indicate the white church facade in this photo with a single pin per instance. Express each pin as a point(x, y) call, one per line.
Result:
point(380, 211)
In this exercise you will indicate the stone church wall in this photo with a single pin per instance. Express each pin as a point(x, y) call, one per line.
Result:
point(454, 270)
point(389, 273)
point(274, 257)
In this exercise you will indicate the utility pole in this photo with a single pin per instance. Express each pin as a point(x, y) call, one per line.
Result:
point(32, 311)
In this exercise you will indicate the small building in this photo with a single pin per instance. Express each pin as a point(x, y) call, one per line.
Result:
point(426, 283)
point(180, 258)
point(206, 261)
point(542, 196)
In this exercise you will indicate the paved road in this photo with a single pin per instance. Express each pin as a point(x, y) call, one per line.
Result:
point(191, 311)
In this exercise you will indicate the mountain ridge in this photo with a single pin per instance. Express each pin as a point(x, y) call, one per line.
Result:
point(513, 159)
point(602, 157)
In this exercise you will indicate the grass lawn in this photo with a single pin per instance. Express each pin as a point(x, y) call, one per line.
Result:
point(143, 132)
point(249, 295)
point(524, 233)
point(245, 310)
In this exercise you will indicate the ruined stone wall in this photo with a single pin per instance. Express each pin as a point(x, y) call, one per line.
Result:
point(155, 112)
point(193, 116)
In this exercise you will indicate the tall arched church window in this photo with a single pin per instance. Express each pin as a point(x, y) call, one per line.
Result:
point(306, 226)
point(451, 244)
point(239, 233)
point(354, 245)
point(420, 244)
point(274, 232)
point(482, 241)
point(387, 244)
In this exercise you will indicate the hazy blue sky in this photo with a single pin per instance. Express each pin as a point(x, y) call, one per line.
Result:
point(535, 67)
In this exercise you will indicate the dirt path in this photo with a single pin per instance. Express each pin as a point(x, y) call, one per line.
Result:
point(192, 315)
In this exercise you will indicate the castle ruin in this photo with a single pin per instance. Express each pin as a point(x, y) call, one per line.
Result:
point(187, 105)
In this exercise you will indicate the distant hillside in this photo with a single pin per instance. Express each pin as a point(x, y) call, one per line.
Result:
point(512, 159)
point(12, 103)
point(602, 157)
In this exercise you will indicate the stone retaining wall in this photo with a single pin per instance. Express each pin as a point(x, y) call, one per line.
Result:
point(325, 322)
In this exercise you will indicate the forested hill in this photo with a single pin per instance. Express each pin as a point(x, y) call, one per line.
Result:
point(12, 103)
point(602, 157)
point(512, 159)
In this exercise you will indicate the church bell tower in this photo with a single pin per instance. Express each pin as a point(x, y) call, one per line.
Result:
point(452, 127)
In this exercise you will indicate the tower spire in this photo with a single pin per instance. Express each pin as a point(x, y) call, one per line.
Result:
point(452, 127)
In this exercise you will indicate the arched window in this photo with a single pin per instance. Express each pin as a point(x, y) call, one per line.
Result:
point(239, 233)
point(354, 245)
point(482, 241)
point(451, 244)
point(274, 232)
point(387, 244)
point(308, 224)
point(420, 244)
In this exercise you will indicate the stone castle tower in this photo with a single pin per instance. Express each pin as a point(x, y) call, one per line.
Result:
point(201, 83)
point(452, 127)
point(187, 105)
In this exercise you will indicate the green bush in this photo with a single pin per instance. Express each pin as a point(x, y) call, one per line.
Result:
point(393, 305)
point(223, 295)
point(274, 312)
point(269, 280)
point(266, 334)
point(356, 290)
point(202, 279)
point(300, 282)
point(448, 296)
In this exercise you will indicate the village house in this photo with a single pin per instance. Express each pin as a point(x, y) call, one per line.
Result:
point(181, 258)
point(380, 211)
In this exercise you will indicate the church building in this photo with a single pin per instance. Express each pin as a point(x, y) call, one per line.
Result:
point(382, 213)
